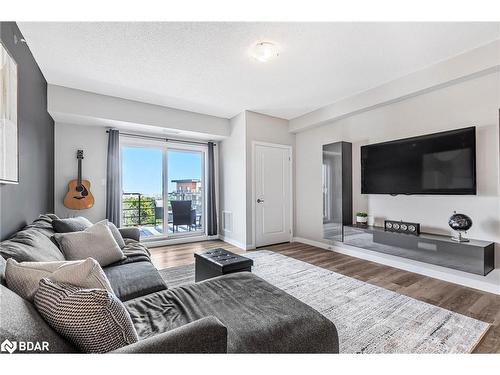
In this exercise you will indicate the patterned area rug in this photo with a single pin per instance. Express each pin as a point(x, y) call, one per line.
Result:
point(369, 319)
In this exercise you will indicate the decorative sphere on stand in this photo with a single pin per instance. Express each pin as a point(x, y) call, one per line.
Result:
point(459, 223)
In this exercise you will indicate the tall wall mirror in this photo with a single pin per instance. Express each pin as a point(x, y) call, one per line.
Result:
point(337, 189)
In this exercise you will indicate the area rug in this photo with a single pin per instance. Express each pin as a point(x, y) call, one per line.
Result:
point(369, 319)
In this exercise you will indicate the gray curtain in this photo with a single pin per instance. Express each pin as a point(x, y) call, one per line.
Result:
point(113, 178)
point(211, 208)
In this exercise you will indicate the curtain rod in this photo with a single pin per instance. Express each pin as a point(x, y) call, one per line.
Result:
point(162, 138)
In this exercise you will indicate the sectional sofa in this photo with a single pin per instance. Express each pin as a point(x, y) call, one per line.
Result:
point(237, 313)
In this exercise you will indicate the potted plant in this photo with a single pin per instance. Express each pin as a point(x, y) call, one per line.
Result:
point(361, 218)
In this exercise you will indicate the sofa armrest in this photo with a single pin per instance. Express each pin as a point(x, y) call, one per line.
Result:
point(206, 335)
point(131, 232)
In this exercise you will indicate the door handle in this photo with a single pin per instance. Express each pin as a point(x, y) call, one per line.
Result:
point(260, 200)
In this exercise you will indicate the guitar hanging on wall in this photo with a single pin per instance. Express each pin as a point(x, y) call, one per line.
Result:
point(79, 196)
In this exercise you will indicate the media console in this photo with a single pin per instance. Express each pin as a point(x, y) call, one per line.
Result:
point(474, 257)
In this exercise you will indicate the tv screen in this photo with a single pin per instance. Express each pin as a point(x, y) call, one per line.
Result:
point(440, 163)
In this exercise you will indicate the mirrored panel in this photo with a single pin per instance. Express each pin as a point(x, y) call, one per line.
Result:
point(337, 189)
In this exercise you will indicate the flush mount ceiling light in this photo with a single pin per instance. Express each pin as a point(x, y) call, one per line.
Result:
point(265, 51)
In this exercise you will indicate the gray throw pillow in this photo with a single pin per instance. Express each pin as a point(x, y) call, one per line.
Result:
point(24, 278)
point(30, 245)
point(94, 320)
point(3, 263)
point(72, 224)
point(96, 242)
point(116, 233)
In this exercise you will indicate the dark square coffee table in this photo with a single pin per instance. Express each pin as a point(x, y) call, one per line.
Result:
point(218, 262)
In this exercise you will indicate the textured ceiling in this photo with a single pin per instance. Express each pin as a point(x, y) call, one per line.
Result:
point(206, 67)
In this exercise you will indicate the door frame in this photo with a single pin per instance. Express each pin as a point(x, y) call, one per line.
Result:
point(253, 245)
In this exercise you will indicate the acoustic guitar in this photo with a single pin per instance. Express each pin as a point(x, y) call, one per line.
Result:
point(79, 196)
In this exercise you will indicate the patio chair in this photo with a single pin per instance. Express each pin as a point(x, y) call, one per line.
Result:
point(183, 214)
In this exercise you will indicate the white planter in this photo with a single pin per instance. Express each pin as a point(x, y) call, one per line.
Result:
point(361, 219)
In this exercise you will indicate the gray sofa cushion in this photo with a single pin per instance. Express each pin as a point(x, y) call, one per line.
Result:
point(207, 335)
point(30, 245)
point(259, 317)
point(72, 224)
point(21, 322)
point(131, 280)
point(43, 224)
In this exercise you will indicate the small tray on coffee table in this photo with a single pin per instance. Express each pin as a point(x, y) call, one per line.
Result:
point(218, 262)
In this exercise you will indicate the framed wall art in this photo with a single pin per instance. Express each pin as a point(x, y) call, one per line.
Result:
point(9, 144)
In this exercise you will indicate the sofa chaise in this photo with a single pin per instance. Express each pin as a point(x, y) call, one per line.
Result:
point(236, 313)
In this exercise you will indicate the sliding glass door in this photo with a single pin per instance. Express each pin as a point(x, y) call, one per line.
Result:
point(185, 173)
point(163, 188)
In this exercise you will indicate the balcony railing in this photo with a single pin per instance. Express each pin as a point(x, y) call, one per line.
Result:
point(146, 212)
point(139, 210)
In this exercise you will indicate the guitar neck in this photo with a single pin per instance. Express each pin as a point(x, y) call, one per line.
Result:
point(79, 183)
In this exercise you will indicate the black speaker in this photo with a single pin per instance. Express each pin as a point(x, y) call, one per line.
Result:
point(402, 227)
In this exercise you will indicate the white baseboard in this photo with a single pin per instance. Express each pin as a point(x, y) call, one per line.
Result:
point(236, 243)
point(176, 241)
point(489, 283)
point(189, 239)
point(307, 241)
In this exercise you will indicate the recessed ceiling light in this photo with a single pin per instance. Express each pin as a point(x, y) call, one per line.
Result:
point(265, 51)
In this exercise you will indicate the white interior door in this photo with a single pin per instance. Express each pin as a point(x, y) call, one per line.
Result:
point(272, 194)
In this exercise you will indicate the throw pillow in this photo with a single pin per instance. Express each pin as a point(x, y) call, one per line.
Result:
point(30, 245)
point(72, 224)
point(24, 278)
point(3, 263)
point(94, 320)
point(115, 232)
point(96, 242)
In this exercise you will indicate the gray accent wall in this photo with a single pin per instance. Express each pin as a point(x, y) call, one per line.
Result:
point(21, 203)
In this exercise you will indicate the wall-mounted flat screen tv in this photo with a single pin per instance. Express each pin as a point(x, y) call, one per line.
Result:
point(440, 163)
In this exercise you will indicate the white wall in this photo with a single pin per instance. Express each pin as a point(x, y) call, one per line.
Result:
point(232, 181)
point(86, 108)
point(472, 102)
point(268, 129)
point(236, 170)
point(94, 142)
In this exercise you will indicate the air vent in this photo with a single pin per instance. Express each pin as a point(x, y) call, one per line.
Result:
point(227, 221)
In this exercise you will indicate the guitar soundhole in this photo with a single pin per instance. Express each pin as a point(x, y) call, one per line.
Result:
point(83, 192)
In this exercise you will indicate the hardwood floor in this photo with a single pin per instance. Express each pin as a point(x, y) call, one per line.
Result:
point(467, 301)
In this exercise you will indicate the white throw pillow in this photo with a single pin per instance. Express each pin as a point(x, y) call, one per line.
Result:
point(96, 242)
point(24, 278)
